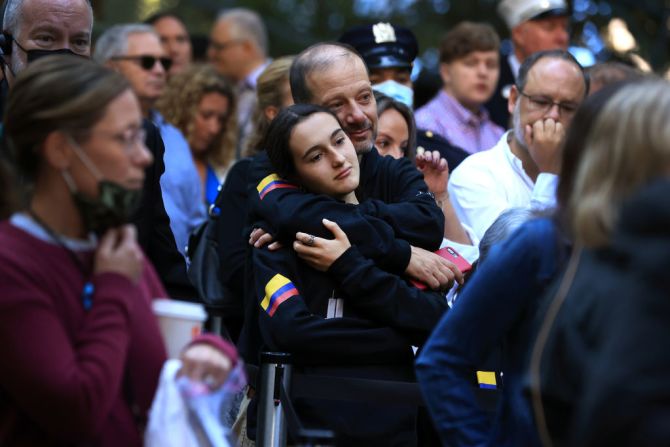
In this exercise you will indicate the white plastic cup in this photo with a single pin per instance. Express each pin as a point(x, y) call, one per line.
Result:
point(179, 322)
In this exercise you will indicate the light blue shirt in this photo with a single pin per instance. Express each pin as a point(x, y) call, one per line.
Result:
point(180, 184)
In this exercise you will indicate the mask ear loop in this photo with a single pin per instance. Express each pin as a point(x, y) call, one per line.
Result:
point(69, 180)
point(85, 159)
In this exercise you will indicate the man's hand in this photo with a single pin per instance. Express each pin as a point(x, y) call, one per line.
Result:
point(435, 170)
point(320, 253)
point(543, 141)
point(259, 237)
point(433, 270)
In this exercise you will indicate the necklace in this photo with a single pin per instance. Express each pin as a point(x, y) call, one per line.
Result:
point(89, 288)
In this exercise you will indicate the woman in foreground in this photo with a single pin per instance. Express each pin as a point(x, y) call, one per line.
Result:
point(80, 347)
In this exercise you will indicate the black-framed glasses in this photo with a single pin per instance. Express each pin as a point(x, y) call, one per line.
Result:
point(147, 62)
point(544, 104)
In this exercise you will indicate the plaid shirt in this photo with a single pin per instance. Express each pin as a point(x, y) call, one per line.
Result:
point(447, 117)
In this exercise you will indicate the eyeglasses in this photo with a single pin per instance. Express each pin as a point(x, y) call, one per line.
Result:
point(543, 104)
point(147, 62)
point(129, 139)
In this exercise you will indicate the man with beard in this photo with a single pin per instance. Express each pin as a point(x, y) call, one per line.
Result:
point(521, 169)
point(397, 223)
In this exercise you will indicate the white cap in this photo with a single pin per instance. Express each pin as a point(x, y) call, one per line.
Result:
point(515, 12)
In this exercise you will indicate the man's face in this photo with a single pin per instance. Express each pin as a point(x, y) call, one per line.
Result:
point(397, 74)
point(176, 42)
point(226, 51)
point(549, 80)
point(472, 79)
point(345, 89)
point(148, 84)
point(550, 33)
point(51, 25)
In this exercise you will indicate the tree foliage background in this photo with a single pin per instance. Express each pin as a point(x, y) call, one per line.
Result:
point(294, 24)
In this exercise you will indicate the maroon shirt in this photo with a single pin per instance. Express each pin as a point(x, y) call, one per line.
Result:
point(68, 376)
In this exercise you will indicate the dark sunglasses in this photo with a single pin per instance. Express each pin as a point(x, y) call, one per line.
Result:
point(147, 62)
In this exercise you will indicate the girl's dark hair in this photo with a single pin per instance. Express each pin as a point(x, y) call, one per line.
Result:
point(574, 145)
point(277, 138)
point(385, 103)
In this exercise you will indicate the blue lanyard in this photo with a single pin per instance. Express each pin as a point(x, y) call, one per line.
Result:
point(89, 288)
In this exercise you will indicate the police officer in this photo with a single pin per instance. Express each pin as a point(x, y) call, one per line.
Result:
point(389, 52)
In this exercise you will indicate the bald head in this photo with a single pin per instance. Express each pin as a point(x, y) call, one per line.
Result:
point(317, 58)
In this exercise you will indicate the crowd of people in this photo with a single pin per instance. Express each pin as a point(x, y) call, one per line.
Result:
point(508, 234)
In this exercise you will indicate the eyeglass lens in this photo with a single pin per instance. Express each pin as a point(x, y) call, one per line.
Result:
point(148, 62)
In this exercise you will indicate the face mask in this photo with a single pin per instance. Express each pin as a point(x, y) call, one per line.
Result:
point(112, 208)
point(396, 91)
point(33, 55)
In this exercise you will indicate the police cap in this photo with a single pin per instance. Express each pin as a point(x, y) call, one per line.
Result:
point(383, 45)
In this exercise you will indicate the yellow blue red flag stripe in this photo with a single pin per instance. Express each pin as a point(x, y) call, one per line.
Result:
point(487, 380)
point(270, 183)
point(277, 290)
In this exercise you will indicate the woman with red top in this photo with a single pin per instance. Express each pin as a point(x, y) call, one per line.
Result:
point(80, 348)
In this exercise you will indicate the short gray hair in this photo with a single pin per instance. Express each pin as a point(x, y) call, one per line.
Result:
point(247, 24)
point(10, 20)
point(114, 41)
point(502, 228)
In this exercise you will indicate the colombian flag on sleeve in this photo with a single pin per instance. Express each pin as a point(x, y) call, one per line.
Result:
point(487, 380)
point(270, 183)
point(277, 290)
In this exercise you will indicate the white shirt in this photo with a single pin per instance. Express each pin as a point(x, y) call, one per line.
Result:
point(514, 65)
point(487, 183)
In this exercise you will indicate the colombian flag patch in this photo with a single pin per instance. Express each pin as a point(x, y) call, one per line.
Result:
point(272, 182)
point(277, 290)
point(487, 380)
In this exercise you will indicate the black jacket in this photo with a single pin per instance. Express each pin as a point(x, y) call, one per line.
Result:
point(354, 321)
point(395, 210)
point(605, 367)
point(153, 224)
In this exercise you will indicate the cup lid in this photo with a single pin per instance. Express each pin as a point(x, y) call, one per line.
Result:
point(179, 309)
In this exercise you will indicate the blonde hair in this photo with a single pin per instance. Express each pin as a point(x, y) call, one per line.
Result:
point(269, 92)
point(179, 106)
point(628, 145)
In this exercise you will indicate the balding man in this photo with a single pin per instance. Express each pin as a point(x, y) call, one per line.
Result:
point(37, 28)
point(521, 169)
point(238, 49)
point(535, 25)
point(395, 211)
point(397, 220)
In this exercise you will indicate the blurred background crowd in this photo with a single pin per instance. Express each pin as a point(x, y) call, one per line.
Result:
point(460, 195)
